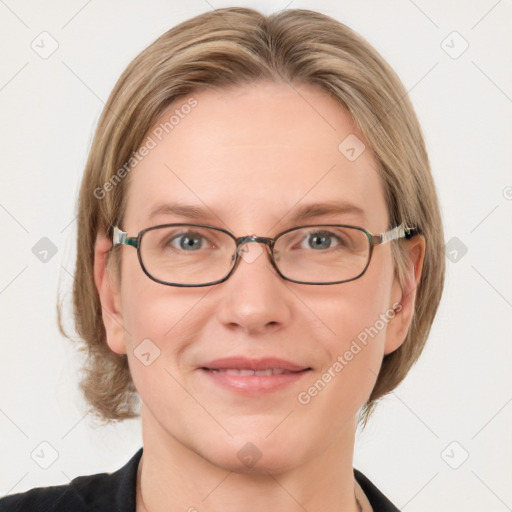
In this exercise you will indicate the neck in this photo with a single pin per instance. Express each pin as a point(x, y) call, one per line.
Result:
point(171, 473)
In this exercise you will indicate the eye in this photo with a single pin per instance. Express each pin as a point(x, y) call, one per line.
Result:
point(320, 240)
point(187, 241)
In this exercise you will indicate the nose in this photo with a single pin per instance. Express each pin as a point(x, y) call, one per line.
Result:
point(255, 299)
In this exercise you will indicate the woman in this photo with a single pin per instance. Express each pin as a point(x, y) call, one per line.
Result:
point(284, 267)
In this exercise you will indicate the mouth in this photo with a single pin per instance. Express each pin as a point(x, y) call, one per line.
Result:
point(252, 366)
point(253, 376)
point(246, 372)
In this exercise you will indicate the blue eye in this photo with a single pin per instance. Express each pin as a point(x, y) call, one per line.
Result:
point(187, 242)
point(320, 240)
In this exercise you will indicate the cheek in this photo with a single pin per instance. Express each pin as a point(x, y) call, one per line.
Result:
point(357, 315)
point(156, 334)
point(160, 322)
point(345, 381)
point(150, 309)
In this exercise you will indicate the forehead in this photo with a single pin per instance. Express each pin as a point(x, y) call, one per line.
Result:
point(251, 156)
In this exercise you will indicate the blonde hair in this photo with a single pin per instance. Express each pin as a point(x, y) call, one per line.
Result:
point(236, 46)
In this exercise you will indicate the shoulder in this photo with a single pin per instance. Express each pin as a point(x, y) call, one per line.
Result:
point(73, 496)
point(100, 492)
point(378, 501)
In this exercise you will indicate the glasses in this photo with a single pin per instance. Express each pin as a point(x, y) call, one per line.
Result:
point(201, 255)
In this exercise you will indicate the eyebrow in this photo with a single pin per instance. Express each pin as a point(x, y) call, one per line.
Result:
point(181, 210)
point(328, 208)
point(297, 214)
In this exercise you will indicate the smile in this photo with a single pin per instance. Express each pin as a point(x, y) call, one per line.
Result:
point(253, 377)
point(248, 372)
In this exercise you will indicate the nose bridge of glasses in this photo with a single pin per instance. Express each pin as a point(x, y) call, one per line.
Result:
point(249, 255)
point(253, 238)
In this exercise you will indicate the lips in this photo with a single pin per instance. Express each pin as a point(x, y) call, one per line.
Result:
point(253, 377)
point(246, 367)
point(247, 372)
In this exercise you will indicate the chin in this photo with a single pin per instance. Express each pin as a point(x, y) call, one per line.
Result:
point(259, 456)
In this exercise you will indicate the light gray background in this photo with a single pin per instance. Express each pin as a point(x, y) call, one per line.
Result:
point(460, 391)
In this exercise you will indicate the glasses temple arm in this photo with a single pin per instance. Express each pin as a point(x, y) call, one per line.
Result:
point(396, 233)
point(121, 238)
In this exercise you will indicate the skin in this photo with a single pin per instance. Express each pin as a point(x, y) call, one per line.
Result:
point(252, 155)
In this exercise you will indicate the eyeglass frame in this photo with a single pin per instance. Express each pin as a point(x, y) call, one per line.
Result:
point(120, 237)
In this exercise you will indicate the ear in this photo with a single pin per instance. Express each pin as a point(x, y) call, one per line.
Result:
point(109, 293)
point(404, 297)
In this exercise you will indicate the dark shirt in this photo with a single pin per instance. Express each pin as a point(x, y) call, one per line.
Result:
point(115, 492)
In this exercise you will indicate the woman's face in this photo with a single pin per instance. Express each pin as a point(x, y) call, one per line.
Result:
point(250, 158)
